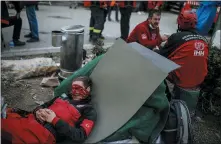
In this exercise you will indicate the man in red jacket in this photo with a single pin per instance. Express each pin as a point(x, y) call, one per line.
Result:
point(188, 49)
point(147, 32)
point(155, 5)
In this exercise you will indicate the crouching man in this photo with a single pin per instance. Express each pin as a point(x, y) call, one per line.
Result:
point(60, 119)
point(189, 50)
point(147, 33)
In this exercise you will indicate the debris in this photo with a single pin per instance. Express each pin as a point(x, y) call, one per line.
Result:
point(39, 102)
point(50, 81)
point(29, 67)
point(34, 97)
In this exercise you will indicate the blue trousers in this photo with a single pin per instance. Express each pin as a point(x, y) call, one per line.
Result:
point(32, 19)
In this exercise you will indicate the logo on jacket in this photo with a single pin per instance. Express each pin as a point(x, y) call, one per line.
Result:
point(199, 49)
point(144, 36)
point(199, 45)
point(154, 36)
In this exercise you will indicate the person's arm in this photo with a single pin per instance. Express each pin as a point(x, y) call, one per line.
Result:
point(132, 37)
point(146, 41)
point(45, 105)
point(169, 47)
point(77, 134)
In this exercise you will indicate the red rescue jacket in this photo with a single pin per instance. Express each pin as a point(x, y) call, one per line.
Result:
point(189, 50)
point(100, 3)
point(145, 35)
point(124, 4)
point(153, 4)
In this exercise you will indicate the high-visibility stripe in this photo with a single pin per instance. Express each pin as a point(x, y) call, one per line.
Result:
point(96, 31)
point(91, 28)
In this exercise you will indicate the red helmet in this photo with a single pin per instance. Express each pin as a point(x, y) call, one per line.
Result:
point(187, 20)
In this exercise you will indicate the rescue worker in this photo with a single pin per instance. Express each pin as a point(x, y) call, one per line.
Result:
point(126, 8)
point(98, 9)
point(7, 21)
point(188, 49)
point(154, 5)
point(61, 119)
point(147, 32)
point(113, 5)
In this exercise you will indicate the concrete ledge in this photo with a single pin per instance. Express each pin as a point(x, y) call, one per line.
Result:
point(37, 51)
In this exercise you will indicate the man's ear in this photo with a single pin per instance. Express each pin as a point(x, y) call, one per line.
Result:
point(89, 89)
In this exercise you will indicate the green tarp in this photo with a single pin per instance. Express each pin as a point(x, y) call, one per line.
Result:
point(146, 124)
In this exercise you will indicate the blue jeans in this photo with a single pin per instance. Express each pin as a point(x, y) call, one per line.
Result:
point(32, 19)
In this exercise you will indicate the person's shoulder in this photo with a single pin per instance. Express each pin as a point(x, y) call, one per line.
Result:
point(142, 25)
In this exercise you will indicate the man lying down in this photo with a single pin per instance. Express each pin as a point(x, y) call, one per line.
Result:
point(60, 119)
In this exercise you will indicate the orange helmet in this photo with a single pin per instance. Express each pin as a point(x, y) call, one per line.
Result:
point(187, 20)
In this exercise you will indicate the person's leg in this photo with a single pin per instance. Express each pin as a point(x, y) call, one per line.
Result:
point(105, 13)
point(91, 25)
point(116, 13)
point(36, 7)
point(99, 25)
point(125, 22)
point(28, 16)
point(17, 22)
point(33, 23)
point(189, 96)
point(109, 13)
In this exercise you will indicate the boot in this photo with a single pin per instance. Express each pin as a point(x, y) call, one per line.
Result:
point(28, 35)
point(18, 43)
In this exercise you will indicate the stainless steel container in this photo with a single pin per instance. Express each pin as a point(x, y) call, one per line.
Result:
point(71, 49)
point(56, 38)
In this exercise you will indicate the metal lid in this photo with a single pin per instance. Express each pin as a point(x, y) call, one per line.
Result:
point(73, 29)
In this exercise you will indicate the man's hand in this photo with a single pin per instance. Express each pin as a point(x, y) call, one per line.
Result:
point(164, 38)
point(50, 115)
point(40, 115)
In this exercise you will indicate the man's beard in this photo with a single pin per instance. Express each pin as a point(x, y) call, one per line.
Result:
point(153, 26)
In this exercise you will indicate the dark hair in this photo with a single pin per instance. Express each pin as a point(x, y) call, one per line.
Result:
point(154, 11)
point(85, 79)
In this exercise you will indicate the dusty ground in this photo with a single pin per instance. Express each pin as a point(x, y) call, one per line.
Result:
point(27, 94)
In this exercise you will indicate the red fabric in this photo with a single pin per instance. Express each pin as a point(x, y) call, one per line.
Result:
point(87, 125)
point(88, 3)
point(122, 4)
point(153, 4)
point(26, 130)
point(187, 6)
point(145, 36)
point(4, 21)
point(65, 111)
point(192, 56)
point(55, 120)
point(11, 114)
point(79, 90)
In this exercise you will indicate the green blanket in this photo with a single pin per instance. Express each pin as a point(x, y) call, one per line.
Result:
point(146, 124)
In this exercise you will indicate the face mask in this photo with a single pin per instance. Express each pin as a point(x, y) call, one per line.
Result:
point(78, 90)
